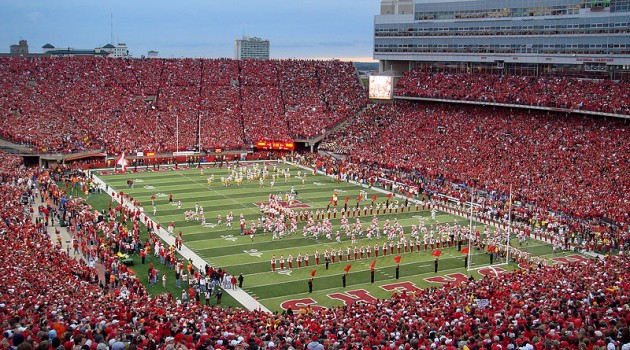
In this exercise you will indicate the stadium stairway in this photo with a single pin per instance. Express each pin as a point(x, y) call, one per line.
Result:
point(320, 137)
point(240, 295)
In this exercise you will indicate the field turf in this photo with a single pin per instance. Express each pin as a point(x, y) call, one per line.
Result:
point(226, 248)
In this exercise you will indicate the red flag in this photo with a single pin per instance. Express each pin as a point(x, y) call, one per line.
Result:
point(122, 161)
point(491, 248)
point(409, 194)
point(347, 268)
point(389, 195)
point(347, 199)
point(331, 202)
point(374, 197)
point(372, 265)
point(465, 250)
point(359, 198)
point(436, 252)
point(397, 259)
point(313, 273)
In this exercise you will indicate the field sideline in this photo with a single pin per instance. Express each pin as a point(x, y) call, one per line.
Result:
point(226, 248)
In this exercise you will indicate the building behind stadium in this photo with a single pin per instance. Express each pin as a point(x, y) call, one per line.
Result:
point(251, 48)
point(587, 38)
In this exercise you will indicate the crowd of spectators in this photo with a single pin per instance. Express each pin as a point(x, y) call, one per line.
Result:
point(567, 169)
point(162, 104)
point(221, 106)
point(543, 91)
point(50, 301)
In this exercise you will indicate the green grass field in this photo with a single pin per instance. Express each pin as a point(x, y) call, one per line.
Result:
point(226, 248)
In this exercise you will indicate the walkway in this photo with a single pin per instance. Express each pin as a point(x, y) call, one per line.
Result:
point(66, 238)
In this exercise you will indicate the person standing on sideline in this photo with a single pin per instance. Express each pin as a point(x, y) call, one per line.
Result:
point(219, 295)
point(208, 294)
point(240, 280)
point(436, 264)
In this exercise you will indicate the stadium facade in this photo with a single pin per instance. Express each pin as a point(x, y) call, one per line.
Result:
point(524, 37)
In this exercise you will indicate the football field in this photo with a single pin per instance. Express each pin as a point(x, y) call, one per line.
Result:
point(225, 247)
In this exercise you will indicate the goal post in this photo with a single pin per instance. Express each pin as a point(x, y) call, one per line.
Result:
point(488, 246)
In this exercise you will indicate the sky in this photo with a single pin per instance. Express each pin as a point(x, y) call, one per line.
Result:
point(319, 29)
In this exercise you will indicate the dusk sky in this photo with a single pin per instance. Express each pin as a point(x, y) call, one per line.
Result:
point(195, 28)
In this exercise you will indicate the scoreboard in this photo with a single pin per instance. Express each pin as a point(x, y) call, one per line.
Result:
point(276, 145)
point(381, 87)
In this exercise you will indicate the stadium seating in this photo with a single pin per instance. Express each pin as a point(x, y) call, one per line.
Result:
point(544, 91)
point(567, 169)
point(145, 104)
point(567, 165)
point(566, 306)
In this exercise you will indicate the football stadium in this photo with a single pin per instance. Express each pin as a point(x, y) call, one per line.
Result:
point(472, 193)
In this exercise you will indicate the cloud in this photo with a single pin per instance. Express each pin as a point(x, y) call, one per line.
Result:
point(34, 16)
